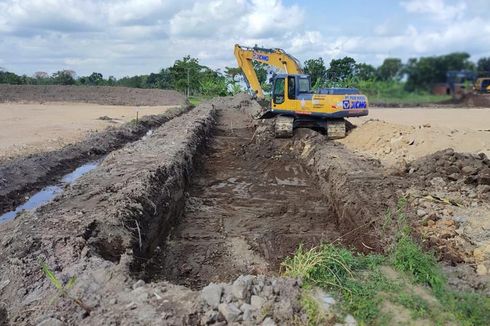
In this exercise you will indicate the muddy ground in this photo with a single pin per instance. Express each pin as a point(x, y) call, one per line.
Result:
point(105, 95)
point(211, 196)
point(22, 176)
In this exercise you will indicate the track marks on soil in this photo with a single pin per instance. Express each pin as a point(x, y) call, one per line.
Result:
point(244, 212)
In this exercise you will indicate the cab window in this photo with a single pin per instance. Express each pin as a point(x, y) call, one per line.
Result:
point(278, 94)
point(291, 88)
point(304, 85)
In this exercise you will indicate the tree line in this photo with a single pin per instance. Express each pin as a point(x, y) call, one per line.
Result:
point(416, 74)
point(187, 75)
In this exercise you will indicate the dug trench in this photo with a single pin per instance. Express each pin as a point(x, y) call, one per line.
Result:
point(207, 197)
point(247, 207)
point(23, 176)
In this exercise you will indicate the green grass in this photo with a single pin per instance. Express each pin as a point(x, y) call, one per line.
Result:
point(312, 309)
point(358, 283)
point(198, 99)
point(392, 92)
point(408, 257)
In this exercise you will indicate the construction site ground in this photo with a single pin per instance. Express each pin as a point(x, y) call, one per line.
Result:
point(190, 213)
point(34, 128)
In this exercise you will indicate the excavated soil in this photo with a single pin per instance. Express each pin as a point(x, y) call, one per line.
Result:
point(22, 176)
point(247, 208)
point(208, 197)
point(105, 95)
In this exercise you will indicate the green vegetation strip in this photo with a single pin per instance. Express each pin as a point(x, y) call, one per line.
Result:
point(405, 286)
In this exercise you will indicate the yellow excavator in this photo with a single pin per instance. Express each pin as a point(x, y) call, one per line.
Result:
point(293, 103)
point(482, 85)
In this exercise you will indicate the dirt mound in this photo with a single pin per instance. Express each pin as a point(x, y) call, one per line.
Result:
point(475, 100)
point(470, 169)
point(105, 95)
point(23, 176)
point(393, 143)
point(450, 193)
point(92, 230)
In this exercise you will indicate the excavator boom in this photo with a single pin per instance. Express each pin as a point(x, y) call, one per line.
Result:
point(273, 57)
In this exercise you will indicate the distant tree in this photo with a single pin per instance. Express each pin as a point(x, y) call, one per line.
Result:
point(233, 73)
point(64, 77)
point(96, 78)
point(134, 81)
point(212, 83)
point(234, 76)
point(426, 71)
point(10, 78)
point(390, 69)
point(185, 74)
point(341, 70)
point(111, 81)
point(41, 75)
point(366, 71)
point(162, 80)
point(2, 69)
point(483, 66)
point(261, 71)
point(317, 71)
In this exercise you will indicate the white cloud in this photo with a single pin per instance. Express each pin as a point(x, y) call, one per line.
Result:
point(437, 9)
point(124, 37)
point(236, 18)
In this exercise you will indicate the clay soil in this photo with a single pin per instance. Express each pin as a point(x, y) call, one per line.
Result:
point(104, 95)
point(247, 208)
point(394, 135)
point(211, 195)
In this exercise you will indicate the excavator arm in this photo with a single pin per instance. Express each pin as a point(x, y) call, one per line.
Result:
point(273, 57)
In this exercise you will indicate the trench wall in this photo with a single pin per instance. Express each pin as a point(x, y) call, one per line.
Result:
point(360, 191)
point(103, 223)
point(24, 175)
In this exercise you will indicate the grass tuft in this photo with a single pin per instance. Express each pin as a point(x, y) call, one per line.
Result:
point(409, 257)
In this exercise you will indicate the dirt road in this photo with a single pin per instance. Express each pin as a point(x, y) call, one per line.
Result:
point(34, 128)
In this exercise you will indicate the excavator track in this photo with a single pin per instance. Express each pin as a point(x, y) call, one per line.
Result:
point(284, 127)
point(336, 129)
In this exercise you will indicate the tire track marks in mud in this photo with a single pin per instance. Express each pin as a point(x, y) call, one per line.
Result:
point(246, 210)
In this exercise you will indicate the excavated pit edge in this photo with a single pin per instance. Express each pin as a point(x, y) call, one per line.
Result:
point(22, 176)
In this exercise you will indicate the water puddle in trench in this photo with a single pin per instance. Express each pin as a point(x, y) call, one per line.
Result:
point(46, 194)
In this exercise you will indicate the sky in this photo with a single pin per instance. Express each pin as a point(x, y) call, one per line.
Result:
point(128, 37)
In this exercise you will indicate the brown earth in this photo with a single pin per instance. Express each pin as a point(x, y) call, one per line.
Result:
point(36, 128)
point(247, 208)
point(106, 225)
point(209, 196)
point(22, 176)
point(449, 191)
point(104, 95)
point(404, 135)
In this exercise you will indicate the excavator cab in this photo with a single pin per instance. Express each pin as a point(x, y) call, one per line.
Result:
point(297, 87)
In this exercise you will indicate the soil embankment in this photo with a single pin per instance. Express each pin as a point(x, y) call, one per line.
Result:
point(22, 176)
point(105, 95)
